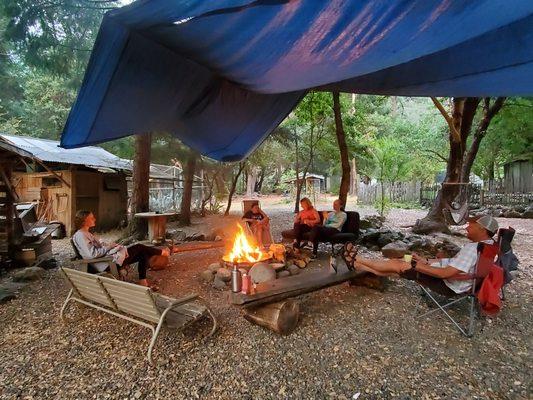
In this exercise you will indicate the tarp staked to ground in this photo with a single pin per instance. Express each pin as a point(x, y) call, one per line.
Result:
point(221, 75)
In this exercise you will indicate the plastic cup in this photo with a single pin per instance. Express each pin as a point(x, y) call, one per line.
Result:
point(407, 258)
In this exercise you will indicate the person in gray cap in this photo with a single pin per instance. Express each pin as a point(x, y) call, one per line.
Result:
point(437, 273)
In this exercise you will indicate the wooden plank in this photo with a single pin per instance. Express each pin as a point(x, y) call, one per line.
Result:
point(140, 313)
point(58, 176)
point(291, 286)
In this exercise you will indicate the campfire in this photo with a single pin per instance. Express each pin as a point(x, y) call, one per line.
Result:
point(244, 251)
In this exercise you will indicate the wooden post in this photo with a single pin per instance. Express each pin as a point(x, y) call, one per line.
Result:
point(281, 317)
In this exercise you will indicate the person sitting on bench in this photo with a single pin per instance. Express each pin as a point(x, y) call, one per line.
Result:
point(259, 225)
point(305, 220)
point(332, 225)
point(436, 273)
point(89, 246)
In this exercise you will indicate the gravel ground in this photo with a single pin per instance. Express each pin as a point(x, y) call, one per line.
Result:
point(350, 340)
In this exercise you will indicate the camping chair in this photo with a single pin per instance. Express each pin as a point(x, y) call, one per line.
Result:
point(78, 261)
point(485, 260)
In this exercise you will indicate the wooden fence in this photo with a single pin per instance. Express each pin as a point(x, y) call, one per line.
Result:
point(480, 196)
point(399, 192)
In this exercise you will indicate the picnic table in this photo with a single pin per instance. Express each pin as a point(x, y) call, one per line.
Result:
point(157, 224)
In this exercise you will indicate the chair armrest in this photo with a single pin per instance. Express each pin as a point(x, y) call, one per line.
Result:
point(92, 260)
point(463, 276)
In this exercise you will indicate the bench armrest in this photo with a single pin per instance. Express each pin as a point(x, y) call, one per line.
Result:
point(176, 302)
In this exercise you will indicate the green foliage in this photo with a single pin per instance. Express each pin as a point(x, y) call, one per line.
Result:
point(510, 135)
point(56, 37)
point(46, 105)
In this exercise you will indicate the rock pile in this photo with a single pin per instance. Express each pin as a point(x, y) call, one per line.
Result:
point(394, 244)
point(505, 212)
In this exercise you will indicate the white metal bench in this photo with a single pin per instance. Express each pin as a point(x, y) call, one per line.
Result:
point(135, 303)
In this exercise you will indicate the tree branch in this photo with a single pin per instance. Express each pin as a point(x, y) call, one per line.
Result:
point(456, 136)
point(440, 156)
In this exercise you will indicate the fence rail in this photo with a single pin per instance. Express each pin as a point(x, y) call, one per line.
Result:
point(480, 196)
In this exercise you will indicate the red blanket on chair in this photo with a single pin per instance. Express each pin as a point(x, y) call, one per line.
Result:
point(489, 293)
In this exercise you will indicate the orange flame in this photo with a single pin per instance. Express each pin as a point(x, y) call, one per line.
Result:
point(243, 250)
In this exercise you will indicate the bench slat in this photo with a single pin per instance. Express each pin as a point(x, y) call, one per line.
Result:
point(146, 307)
point(143, 314)
point(124, 285)
point(127, 292)
point(132, 299)
point(88, 287)
point(100, 299)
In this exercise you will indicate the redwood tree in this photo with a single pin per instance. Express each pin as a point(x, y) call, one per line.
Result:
point(460, 159)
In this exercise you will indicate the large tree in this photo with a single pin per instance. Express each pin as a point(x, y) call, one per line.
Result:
point(462, 154)
point(140, 199)
point(186, 200)
point(343, 149)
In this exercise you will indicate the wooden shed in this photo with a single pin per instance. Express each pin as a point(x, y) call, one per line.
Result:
point(518, 175)
point(62, 181)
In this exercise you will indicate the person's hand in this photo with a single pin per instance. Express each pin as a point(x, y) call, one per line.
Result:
point(419, 258)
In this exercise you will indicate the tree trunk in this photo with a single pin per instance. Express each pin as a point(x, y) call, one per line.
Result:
point(459, 161)
point(343, 148)
point(298, 183)
point(488, 113)
point(140, 198)
point(251, 179)
point(234, 186)
point(186, 199)
point(353, 179)
point(490, 174)
point(259, 183)
point(434, 220)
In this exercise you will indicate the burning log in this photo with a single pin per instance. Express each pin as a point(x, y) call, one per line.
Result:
point(281, 317)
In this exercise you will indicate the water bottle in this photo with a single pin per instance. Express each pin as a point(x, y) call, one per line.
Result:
point(236, 280)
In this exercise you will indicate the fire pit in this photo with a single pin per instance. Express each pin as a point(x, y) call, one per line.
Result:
point(277, 262)
point(244, 254)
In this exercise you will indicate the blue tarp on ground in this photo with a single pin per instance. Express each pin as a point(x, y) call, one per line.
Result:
point(221, 75)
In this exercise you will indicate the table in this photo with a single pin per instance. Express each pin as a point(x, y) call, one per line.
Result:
point(157, 224)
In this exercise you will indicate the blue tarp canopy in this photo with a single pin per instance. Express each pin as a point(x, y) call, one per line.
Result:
point(221, 75)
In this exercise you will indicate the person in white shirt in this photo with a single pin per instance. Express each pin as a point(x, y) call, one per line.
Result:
point(89, 246)
point(333, 223)
point(438, 273)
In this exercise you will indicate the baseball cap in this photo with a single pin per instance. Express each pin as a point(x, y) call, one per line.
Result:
point(486, 221)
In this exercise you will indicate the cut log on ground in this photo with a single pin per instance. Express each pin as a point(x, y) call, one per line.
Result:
point(193, 246)
point(281, 317)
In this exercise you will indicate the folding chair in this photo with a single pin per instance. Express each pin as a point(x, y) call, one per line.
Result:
point(485, 260)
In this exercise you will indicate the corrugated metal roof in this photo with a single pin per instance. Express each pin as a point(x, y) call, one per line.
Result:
point(49, 151)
